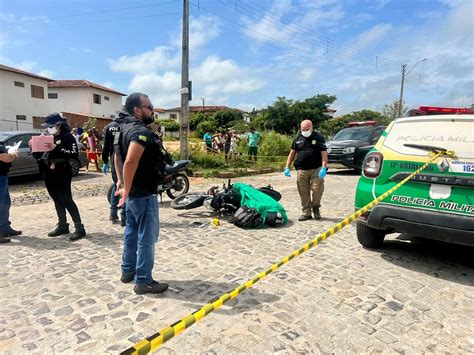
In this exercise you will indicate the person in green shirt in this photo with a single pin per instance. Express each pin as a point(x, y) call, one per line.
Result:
point(208, 139)
point(253, 138)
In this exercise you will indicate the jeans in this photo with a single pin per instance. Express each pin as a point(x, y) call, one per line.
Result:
point(141, 234)
point(5, 204)
point(115, 199)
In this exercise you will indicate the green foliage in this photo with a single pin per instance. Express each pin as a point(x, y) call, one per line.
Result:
point(285, 115)
point(170, 125)
point(240, 126)
point(90, 123)
point(205, 126)
point(196, 119)
point(226, 118)
point(275, 144)
point(390, 111)
point(331, 127)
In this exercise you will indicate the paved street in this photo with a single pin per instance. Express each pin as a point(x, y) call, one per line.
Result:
point(412, 296)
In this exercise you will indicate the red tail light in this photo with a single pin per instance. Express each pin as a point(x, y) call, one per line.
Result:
point(373, 164)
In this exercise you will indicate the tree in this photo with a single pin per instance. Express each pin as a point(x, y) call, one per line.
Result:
point(90, 123)
point(285, 115)
point(390, 111)
point(205, 126)
point(226, 118)
point(330, 127)
point(196, 119)
point(170, 125)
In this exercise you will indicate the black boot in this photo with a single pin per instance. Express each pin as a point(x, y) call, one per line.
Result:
point(123, 220)
point(79, 232)
point(113, 217)
point(61, 228)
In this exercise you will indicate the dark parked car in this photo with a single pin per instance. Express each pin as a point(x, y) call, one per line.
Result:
point(26, 164)
point(349, 146)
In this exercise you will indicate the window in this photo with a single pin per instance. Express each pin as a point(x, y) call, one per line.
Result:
point(106, 98)
point(21, 117)
point(52, 95)
point(24, 139)
point(37, 121)
point(37, 91)
point(19, 84)
point(173, 116)
point(96, 99)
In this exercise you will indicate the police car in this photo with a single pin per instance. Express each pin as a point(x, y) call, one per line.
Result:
point(439, 202)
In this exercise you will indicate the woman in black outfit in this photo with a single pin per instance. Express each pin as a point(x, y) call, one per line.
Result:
point(56, 170)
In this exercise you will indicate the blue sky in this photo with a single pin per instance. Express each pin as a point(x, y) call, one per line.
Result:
point(245, 53)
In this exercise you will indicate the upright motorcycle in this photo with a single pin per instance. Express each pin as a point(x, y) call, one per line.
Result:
point(175, 182)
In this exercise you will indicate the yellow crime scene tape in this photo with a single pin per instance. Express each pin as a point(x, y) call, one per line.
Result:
point(156, 340)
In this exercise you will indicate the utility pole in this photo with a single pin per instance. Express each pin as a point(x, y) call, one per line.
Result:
point(404, 75)
point(400, 102)
point(203, 100)
point(184, 117)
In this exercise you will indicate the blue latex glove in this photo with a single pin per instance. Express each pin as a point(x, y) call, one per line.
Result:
point(287, 172)
point(105, 168)
point(323, 172)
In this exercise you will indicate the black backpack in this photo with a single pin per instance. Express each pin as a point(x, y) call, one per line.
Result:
point(246, 217)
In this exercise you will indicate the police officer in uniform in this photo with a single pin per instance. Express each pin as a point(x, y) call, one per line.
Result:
point(6, 231)
point(311, 162)
point(144, 161)
point(56, 170)
point(108, 156)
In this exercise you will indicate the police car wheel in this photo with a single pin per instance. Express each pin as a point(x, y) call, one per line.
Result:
point(369, 237)
point(179, 187)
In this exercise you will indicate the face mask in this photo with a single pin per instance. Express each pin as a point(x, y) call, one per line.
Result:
point(306, 134)
point(53, 130)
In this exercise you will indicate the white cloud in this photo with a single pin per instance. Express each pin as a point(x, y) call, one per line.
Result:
point(47, 73)
point(201, 31)
point(372, 36)
point(160, 58)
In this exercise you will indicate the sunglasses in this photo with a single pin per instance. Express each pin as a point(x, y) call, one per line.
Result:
point(148, 107)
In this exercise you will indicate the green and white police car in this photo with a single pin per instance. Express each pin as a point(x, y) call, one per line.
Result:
point(438, 203)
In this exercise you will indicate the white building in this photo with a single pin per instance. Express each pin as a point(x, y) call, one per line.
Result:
point(85, 97)
point(23, 99)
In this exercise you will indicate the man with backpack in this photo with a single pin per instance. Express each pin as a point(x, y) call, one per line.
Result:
point(108, 158)
point(140, 161)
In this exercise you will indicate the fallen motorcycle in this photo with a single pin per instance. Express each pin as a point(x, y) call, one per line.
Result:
point(175, 182)
point(224, 201)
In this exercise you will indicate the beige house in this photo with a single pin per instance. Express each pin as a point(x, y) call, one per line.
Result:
point(84, 97)
point(23, 99)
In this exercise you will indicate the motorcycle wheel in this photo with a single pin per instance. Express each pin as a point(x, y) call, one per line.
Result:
point(188, 201)
point(180, 186)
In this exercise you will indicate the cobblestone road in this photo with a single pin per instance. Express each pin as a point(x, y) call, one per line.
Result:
point(412, 296)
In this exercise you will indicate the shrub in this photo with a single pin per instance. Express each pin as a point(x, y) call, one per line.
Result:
point(204, 126)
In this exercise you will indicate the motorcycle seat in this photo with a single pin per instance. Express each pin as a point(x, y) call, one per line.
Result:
point(178, 166)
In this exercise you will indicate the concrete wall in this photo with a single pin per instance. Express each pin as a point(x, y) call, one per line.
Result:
point(80, 100)
point(18, 101)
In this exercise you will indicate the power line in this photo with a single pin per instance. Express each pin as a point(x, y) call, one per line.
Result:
point(299, 49)
point(324, 41)
point(19, 23)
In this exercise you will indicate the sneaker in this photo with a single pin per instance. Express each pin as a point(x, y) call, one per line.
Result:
point(79, 232)
point(12, 233)
point(113, 218)
point(4, 239)
point(316, 213)
point(154, 287)
point(59, 230)
point(127, 278)
point(304, 217)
